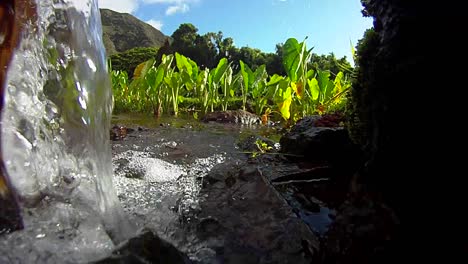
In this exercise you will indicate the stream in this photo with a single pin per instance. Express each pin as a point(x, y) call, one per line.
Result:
point(168, 171)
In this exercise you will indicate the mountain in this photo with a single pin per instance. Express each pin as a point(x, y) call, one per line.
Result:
point(123, 31)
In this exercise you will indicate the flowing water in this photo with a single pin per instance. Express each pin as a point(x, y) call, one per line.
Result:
point(55, 145)
point(55, 129)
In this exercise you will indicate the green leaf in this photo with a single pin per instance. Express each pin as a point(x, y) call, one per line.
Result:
point(292, 58)
point(323, 78)
point(245, 74)
point(194, 69)
point(275, 79)
point(285, 105)
point(310, 74)
point(220, 70)
point(314, 88)
point(337, 82)
point(183, 64)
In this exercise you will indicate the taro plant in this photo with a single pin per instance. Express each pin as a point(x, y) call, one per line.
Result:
point(247, 80)
point(227, 88)
point(259, 91)
point(156, 87)
point(138, 86)
point(120, 82)
point(328, 94)
point(214, 83)
point(296, 57)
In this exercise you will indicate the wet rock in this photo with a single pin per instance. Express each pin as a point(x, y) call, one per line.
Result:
point(330, 120)
point(232, 116)
point(245, 220)
point(318, 143)
point(119, 132)
point(221, 173)
point(144, 248)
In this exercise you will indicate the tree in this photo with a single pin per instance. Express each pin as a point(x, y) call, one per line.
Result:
point(329, 63)
point(274, 61)
point(128, 60)
point(184, 39)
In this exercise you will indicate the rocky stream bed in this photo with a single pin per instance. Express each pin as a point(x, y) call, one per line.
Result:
point(208, 190)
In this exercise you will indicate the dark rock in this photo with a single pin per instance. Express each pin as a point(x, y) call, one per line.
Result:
point(144, 248)
point(393, 131)
point(118, 132)
point(363, 232)
point(318, 143)
point(247, 220)
point(232, 116)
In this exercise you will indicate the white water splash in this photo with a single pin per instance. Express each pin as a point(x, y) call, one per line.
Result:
point(55, 130)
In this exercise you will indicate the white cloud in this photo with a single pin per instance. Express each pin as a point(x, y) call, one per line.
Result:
point(175, 6)
point(179, 8)
point(122, 6)
point(169, 1)
point(157, 24)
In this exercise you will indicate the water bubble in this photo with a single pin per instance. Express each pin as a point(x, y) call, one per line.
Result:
point(82, 102)
point(41, 236)
point(91, 65)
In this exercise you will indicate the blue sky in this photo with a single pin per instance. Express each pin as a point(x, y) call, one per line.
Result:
point(329, 24)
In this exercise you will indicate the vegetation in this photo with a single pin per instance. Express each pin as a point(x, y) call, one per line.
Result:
point(127, 61)
point(207, 50)
point(162, 87)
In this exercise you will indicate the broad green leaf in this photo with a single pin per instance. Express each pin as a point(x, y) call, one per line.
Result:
point(245, 74)
point(194, 69)
point(151, 77)
point(285, 105)
point(159, 76)
point(220, 70)
point(183, 63)
point(314, 88)
point(323, 78)
point(292, 58)
point(142, 69)
point(275, 79)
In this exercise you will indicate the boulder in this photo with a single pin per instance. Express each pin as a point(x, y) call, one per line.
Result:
point(317, 143)
point(232, 116)
point(243, 219)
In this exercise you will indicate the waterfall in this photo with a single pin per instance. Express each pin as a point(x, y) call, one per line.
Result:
point(55, 137)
